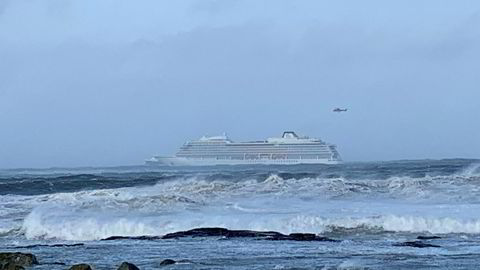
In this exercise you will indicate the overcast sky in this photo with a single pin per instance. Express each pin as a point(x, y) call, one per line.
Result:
point(112, 82)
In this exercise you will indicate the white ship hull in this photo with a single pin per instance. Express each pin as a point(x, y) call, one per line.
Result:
point(290, 149)
point(179, 161)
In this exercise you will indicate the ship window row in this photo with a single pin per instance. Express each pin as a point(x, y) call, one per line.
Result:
point(257, 145)
point(257, 152)
point(252, 144)
point(254, 154)
point(250, 156)
point(255, 148)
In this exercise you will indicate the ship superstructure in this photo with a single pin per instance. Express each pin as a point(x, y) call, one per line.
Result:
point(220, 150)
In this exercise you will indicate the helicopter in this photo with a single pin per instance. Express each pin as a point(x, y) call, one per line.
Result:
point(338, 110)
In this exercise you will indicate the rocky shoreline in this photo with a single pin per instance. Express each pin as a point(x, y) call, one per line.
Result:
point(226, 233)
point(18, 260)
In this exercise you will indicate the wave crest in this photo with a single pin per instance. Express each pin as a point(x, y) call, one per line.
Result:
point(472, 170)
point(285, 204)
point(47, 224)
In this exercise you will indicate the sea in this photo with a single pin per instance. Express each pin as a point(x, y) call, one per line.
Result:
point(373, 209)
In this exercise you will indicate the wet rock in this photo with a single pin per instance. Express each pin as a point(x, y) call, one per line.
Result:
point(226, 233)
point(221, 232)
point(11, 266)
point(267, 235)
point(199, 232)
point(306, 237)
point(81, 266)
point(17, 258)
point(144, 237)
point(167, 262)
point(55, 245)
point(128, 266)
point(428, 237)
point(417, 244)
point(302, 236)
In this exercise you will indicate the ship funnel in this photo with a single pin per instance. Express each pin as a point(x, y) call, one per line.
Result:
point(289, 135)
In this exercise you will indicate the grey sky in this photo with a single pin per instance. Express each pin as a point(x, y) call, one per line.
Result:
point(113, 82)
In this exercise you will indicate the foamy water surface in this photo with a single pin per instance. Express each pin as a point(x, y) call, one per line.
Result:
point(369, 206)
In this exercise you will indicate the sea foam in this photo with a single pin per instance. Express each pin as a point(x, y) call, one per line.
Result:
point(435, 204)
point(43, 224)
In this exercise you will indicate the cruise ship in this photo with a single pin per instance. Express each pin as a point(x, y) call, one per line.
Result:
point(220, 150)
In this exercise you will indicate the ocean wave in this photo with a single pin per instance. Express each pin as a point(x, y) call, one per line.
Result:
point(38, 182)
point(447, 187)
point(47, 224)
point(276, 201)
point(12, 231)
point(57, 183)
point(196, 192)
point(472, 170)
point(4, 231)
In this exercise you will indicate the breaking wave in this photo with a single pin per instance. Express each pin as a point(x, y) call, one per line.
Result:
point(284, 205)
point(41, 224)
point(319, 202)
point(472, 170)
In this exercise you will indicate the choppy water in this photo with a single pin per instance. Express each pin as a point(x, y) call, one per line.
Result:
point(369, 206)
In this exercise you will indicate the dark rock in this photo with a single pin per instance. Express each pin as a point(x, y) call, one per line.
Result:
point(11, 266)
point(55, 245)
point(417, 244)
point(226, 233)
point(17, 258)
point(302, 236)
point(200, 232)
point(128, 266)
point(429, 237)
point(222, 232)
point(67, 245)
point(267, 235)
point(167, 262)
point(144, 237)
point(116, 238)
point(308, 237)
point(81, 266)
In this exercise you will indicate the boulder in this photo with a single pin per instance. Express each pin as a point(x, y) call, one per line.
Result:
point(428, 237)
point(17, 258)
point(167, 262)
point(11, 266)
point(81, 266)
point(128, 266)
